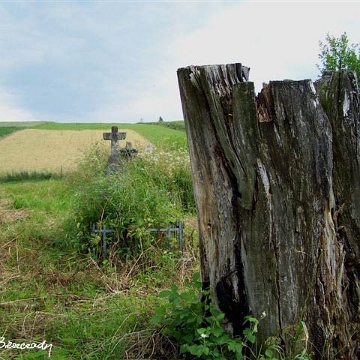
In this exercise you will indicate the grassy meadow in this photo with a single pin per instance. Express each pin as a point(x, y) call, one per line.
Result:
point(53, 287)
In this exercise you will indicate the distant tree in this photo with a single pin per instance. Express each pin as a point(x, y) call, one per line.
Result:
point(161, 119)
point(337, 54)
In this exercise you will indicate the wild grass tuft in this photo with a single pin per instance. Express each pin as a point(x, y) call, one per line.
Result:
point(18, 176)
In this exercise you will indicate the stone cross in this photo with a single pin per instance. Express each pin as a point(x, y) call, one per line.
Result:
point(113, 165)
point(114, 136)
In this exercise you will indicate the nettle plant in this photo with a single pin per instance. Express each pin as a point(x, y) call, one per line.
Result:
point(197, 326)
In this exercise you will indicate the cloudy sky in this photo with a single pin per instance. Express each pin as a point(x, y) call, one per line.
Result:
point(116, 61)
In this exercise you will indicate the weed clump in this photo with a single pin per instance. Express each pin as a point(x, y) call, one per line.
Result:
point(196, 329)
point(151, 190)
point(18, 176)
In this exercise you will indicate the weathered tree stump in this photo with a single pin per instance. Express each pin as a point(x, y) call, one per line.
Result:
point(276, 182)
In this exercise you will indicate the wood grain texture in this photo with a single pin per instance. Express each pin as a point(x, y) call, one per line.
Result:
point(277, 193)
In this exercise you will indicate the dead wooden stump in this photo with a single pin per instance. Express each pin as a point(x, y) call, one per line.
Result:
point(276, 182)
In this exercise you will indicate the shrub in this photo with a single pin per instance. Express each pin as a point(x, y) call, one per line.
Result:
point(196, 326)
point(146, 193)
point(193, 321)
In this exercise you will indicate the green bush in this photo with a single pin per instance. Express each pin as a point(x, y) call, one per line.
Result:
point(193, 321)
point(195, 325)
point(150, 190)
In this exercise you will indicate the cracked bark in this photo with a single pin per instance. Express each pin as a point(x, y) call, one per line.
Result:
point(278, 200)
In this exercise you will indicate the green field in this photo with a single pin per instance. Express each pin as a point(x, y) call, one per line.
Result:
point(7, 130)
point(53, 288)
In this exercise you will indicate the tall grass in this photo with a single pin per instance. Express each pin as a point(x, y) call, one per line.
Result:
point(149, 191)
point(18, 176)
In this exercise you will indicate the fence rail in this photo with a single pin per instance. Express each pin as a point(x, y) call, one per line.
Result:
point(177, 230)
point(173, 230)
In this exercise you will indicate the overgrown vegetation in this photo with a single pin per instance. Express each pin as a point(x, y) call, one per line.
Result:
point(55, 285)
point(28, 175)
point(151, 190)
point(49, 290)
point(197, 329)
point(175, 125)
point(6, 130)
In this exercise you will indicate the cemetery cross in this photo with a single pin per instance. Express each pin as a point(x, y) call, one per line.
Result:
point(114, 136)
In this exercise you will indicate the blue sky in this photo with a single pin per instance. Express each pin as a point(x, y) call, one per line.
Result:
point(116, 61)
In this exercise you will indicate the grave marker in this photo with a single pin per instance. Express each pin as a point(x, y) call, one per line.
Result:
point(113, 162)
point(114, 136)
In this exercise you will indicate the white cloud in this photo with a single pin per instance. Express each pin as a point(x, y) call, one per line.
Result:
point(276, 40)
point(156, 96)
point(10, 111)
point(117, 62)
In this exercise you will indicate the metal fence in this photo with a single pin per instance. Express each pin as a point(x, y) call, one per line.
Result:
point(173, 233)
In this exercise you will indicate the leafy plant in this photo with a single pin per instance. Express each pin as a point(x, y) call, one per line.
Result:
point(195, 325)
point(198, 328)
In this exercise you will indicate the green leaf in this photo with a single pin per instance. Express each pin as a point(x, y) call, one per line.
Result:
point(174, 288)
point(196, 350)
point(165, 293)
point(235, 346)
point(269, 353)
point(189, 338)
point(218, 331)
point(249, 335)
point(251, 319)
point(206, 350)
point(156, 319)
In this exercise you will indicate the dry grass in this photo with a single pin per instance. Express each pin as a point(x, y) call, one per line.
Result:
point(7, 214)
point(54, 150)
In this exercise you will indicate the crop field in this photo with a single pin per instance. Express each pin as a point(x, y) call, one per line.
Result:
point(57, 151)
